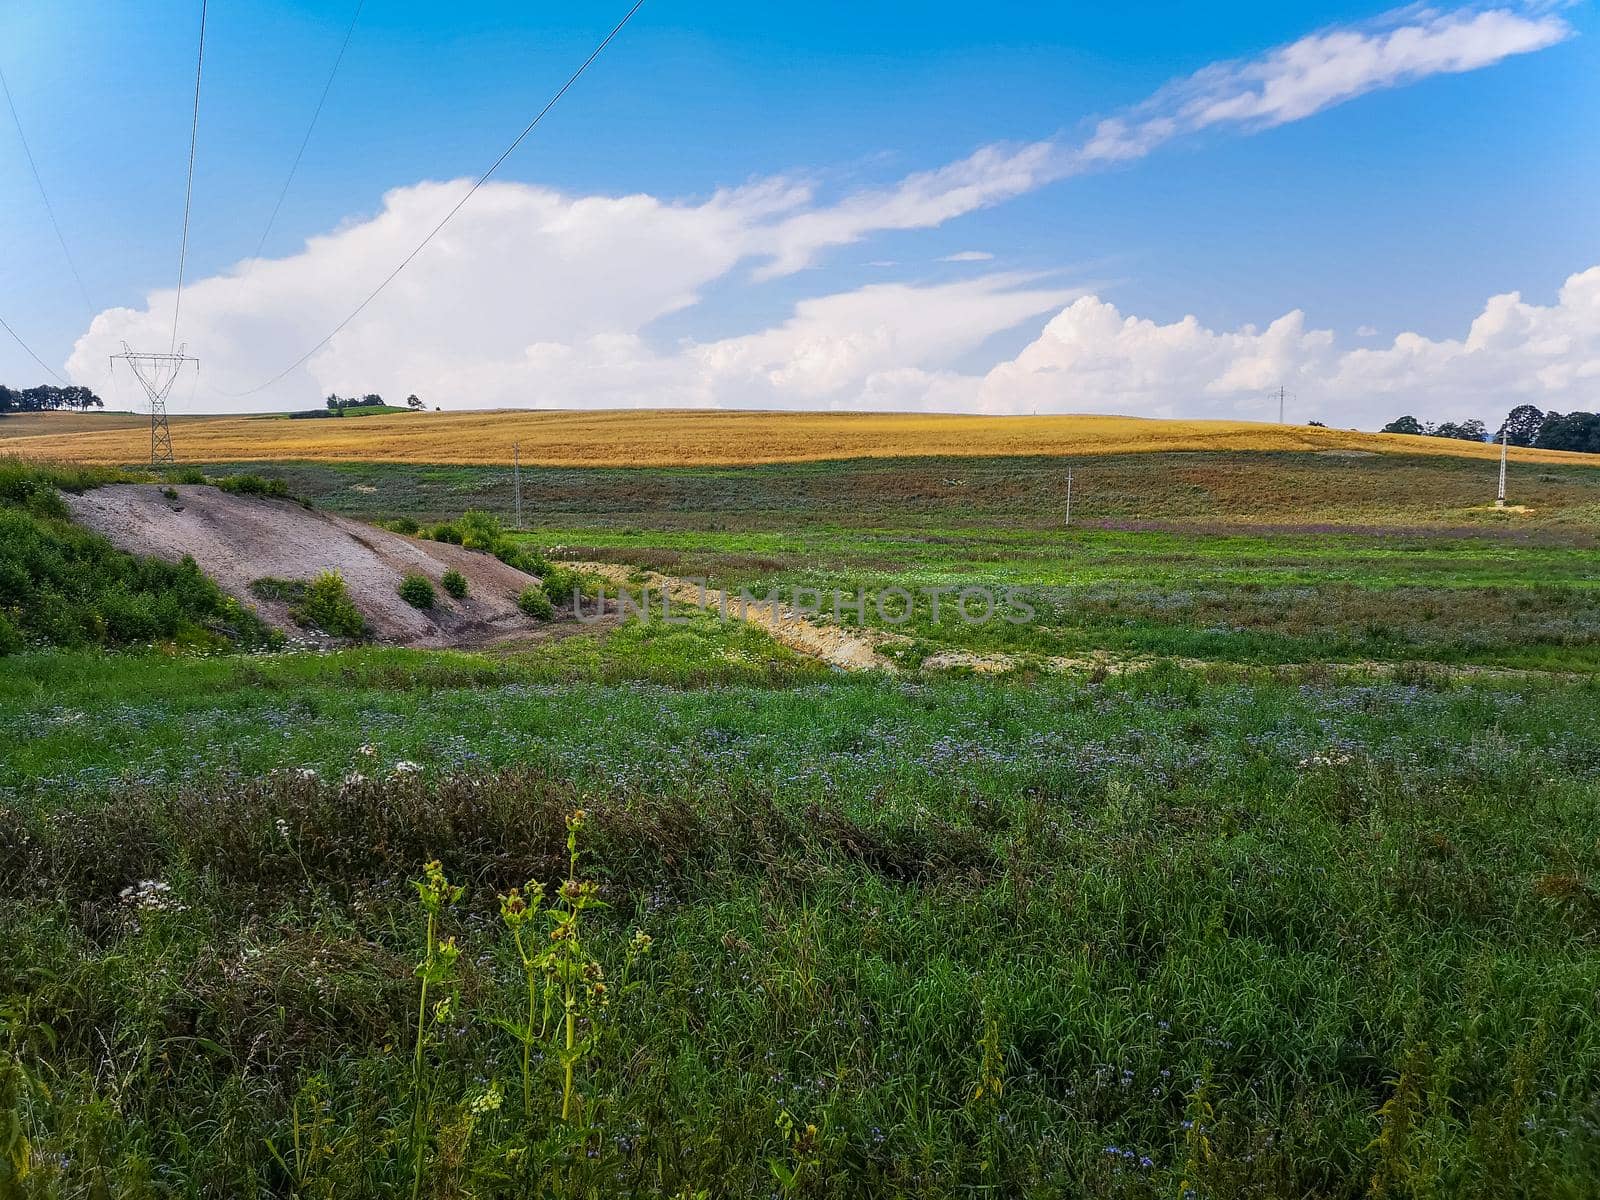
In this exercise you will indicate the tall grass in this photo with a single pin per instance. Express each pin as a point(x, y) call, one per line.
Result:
point(1118, 939)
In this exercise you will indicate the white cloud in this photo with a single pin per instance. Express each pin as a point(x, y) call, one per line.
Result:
point(1319, 71)
point(535, 297)
point(965, 256)
point(1366, 331)
point(923, 200)
point(1091, 358)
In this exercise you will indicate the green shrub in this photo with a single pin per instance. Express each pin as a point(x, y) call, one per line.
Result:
point(447, 533)
point(326, 605)
point(481, 530)
point(561, 584)
point(455, 583)
point(524, 558)
point(189, 475)
point(254, 485)
point(404, 525)
point(170, 493)
point(535, 603)
point(416, 591)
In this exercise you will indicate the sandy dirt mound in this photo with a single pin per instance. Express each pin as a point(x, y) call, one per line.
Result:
point(239, 539)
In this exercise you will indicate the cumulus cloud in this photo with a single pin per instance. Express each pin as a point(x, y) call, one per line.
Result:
point(531, 296)
point(1092, 358)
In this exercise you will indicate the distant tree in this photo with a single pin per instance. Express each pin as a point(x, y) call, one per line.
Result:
point(372, 400)
point(1405, 425)
point(414, 403)
point(1462, 431)
point(1574, 431)
point(1521, 425)
point(335, 404)
point(46, 398)
point(1317, 425)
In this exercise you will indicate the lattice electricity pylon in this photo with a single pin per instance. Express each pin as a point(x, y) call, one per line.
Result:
point(157, 373)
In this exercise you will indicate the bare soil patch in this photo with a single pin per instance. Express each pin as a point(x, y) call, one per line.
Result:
point(237, 540)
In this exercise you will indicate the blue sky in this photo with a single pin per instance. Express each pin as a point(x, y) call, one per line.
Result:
point(1401, 210)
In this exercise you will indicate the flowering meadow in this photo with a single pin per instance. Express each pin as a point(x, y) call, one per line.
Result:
point(384, 923)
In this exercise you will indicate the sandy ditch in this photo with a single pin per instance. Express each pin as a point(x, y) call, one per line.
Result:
point(836, 647)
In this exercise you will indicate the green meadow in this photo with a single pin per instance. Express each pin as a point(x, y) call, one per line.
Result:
point(1303, 900)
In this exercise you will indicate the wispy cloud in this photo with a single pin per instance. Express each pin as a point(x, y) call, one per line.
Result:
point(1320, 71)
point(962, 256)
point(1286, 84)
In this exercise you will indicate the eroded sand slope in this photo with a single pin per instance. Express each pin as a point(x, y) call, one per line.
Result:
point(239, 539)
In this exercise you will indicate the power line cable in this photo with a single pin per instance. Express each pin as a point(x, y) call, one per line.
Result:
point(188, 191)
point(482, 179)
point(43, 195)
point(17, 337)
point(305, 141)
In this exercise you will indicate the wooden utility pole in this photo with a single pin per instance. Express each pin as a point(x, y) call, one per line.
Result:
point(1505, 441)
point(516, 479)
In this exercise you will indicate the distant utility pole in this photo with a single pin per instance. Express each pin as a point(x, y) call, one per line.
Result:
point(1505, 442)
point(1282, 395)
point(516, 479)
point(1069, 496)
point(156, 374)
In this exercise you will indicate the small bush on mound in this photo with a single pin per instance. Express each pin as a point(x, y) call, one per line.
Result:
point(403, 525)
point(326, 605)
point(482, 531)
point(536, 604)
point(562, 584)
point(523, 558)
point(455, 583)
point(254, 485)
point(416, 591)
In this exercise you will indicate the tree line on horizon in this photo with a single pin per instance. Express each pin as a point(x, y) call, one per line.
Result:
point(46, 398)
point(1525, 425)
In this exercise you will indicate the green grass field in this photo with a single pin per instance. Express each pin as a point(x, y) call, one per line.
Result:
point(1262, 925)
point(1257, 558)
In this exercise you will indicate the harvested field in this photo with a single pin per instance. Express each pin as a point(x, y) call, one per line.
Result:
point(679, 438)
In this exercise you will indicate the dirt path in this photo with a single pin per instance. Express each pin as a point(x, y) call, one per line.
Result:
point(837, 647)
point(239, 539)
point(861, 649)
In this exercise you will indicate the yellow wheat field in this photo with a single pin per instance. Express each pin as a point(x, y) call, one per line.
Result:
point(702, 438)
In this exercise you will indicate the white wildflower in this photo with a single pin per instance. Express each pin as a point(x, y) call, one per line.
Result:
point(150, 895)
point(489, 1101)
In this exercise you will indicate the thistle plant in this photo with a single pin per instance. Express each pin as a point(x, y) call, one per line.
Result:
point(563, 972)
point(517, 909)
point(436, 968)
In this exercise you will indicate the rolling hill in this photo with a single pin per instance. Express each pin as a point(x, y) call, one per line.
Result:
point(710, 438)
